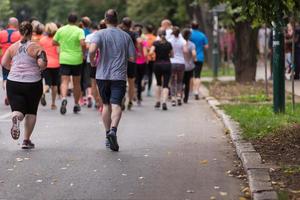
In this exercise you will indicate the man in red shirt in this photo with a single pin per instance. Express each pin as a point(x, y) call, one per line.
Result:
point(7, 38)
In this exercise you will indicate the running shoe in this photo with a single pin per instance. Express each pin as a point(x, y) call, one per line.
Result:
point(6, 102)
point(164, 106)
point(179, 102)
point(69, 93)
point(27, 144)
point(15, 129)
point(157, 105)
point(197, 97)
point(129, 106)
point(107, 144)
point(43, 100)
point(89, 102)
point(63, 108)
point(149, 93)
point(173, 103)
point(185, 100)
point(113, 142)
point(76, 108)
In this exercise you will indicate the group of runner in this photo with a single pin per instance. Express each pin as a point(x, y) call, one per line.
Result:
point(97, 66)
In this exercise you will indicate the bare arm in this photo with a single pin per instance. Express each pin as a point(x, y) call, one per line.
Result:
point(83, 45)
point(42, 60)
point(6, 60)
point(92, 52)
point(194, 54)
point(171, 54)
point(206, 46)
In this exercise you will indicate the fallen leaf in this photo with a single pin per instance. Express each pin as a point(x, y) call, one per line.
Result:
point(146, 155)
point(71, 184)
point(10, 170)
point(19, 159)
point(212, 198)
point(204, 162)
point(26, 158)
point(119, 160)
point(190, 191)
point(18, 185)
point(63, 168)
point(141, 178)
point(246, 189)
point(131, 194)
point(223, 193)
point(216, 187)
point(242, 198)
point(39, 181)
point(124, 174)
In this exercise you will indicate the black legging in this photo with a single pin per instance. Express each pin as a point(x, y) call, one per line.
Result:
point(140, 72)
point(150, 73)
point(186, 82)
point(163, 73)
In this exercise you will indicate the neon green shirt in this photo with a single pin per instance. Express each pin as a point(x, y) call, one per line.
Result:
point(69, 37)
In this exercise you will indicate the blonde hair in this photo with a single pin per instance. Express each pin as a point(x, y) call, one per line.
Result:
point(51, 29)
point(38, 27)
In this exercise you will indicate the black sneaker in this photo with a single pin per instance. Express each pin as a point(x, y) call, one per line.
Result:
point(164, 106)
point(15, 129)
point(113, 142)
point(90, 102)
point(107, 144)
point(129, 106)
point(197, 97)
point(63, 108)
point(76, 109)
point(185, 100)
point(157, 105)
point(69, 92)
point(43, 100)
point(179, 103)
point(173, 103)
point(27, 144)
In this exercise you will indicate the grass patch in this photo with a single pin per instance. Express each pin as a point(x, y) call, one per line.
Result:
point(258, 121)
point(255, 98)
point(208, 72)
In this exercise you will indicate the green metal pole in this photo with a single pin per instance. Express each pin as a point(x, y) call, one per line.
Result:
point(278, 64)
point(215, 48)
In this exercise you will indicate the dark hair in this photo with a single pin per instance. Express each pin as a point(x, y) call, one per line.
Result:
point(127, 22)
point(25, 30)
point(102, 24)
point(72, 18)
point(111, 17)
point(94, 26)
point(176, 31)
point(186, 33)
point(162, 34)
point(149, 28)
point(139, 31)
point(86, 22)
point(195, 25)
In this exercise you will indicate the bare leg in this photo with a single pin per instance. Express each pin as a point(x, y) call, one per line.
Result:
point(131, 89)
point(53, 94)
point(165, 95)
point(106, 116)
point(30, 121)
point(158, 94)
point(64, 86)
point(95, 93)
point(116, 115)
point(197, 83)
point(77, 89)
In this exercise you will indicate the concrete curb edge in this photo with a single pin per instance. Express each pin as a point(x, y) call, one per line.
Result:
point(257, 173)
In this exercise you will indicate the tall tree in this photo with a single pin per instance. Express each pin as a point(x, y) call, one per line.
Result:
point(5, 11)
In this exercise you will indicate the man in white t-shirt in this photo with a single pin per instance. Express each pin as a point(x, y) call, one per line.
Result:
point(263, 38)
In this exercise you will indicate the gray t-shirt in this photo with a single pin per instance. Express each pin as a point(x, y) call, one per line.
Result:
point(188, 56)
point(116, 47)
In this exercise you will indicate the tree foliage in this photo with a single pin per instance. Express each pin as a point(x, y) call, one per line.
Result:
point(5, 10)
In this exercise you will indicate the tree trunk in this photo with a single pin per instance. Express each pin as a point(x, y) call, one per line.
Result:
point(245, 59)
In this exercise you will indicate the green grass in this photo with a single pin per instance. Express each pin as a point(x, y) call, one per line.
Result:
point(258, 121)
point(208, 72)
point(255, 98)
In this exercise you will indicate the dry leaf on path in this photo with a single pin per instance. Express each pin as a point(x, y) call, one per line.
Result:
point(204, 162)
point(223, 193)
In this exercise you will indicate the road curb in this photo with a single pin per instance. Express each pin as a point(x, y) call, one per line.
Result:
point(257, 173)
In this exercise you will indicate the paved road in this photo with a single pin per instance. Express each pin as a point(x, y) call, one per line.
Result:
point(180, 154)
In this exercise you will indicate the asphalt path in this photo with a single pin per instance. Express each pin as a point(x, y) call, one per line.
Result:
point(179, 154)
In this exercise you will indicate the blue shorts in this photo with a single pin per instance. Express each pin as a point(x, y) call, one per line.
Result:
point(5, 73)
point(112, 92)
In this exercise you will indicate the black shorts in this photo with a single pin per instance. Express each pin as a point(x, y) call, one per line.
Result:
point(5, 73)
point(163, 73)
point(131, 70)
point(93, 71)
point(70, 70)
point(112, 92)
point(85, 80)
point(51, 76)
point(24, 97)
point(198, 69)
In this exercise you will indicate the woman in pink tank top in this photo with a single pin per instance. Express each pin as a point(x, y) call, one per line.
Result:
point(25, 60)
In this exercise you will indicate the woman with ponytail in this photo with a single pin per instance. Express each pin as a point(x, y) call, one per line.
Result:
point(162, 68)
point(25, 60)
